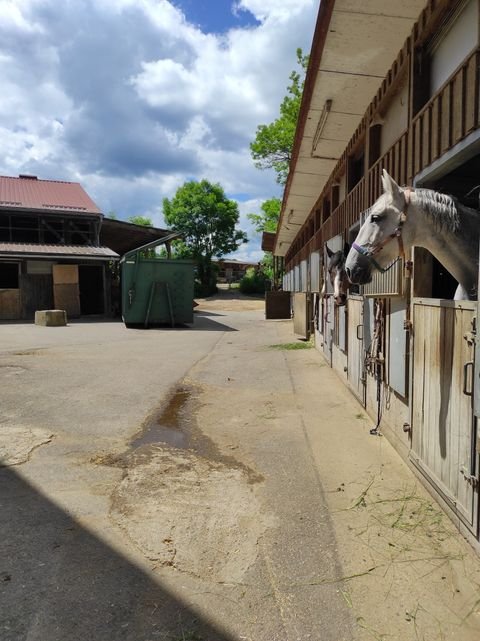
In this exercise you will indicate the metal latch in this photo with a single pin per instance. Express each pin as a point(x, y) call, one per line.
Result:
point(470, 336)
point(470, 478)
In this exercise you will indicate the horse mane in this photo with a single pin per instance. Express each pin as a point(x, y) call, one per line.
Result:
point(337, 259)
point(442, 208)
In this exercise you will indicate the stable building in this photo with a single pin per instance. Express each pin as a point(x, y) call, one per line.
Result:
point(57, 250)
point(392, 86)
point(50, 251)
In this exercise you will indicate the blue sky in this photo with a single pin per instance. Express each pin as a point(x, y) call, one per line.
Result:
point(131, 98)
point(216, 16)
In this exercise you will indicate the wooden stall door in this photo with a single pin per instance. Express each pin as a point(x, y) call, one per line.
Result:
point(443, 435)
point(37, 293)
point(66, 291)
point(356, 377)
point(301, 315)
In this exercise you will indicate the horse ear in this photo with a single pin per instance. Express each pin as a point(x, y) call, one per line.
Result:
point(329, 251)
point(389, 185)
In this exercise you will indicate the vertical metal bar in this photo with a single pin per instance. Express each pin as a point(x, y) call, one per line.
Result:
point(170, 307)
point(149, 306)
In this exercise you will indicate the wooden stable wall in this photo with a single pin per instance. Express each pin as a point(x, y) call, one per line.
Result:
point(443, 430)
point(425, 381)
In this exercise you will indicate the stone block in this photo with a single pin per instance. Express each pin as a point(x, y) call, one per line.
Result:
point(51, 317)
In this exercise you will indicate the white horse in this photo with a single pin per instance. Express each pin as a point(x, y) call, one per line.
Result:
point(403, 217)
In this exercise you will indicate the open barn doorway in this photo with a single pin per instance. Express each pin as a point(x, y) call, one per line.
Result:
point(91, 285)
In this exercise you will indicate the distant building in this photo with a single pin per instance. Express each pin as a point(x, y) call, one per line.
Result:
point(232, 271)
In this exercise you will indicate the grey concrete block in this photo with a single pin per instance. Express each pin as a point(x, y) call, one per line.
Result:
point(51, 317)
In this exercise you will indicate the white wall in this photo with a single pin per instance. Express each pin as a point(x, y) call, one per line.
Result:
point(460, 38)
point(395, 117)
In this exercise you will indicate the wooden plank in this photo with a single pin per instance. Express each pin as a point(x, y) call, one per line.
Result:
point(458, 92)
point(446, 124)
point(65, 274)
point(10, 304)
point(417, 148)
point(67, 297)
point(426, 133)
point(471, 94)
point(435, 130)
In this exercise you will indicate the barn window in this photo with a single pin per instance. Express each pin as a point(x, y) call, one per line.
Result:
point(355, 170)
point(8, 275)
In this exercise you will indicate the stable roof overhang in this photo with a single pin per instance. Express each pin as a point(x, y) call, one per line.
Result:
point(123, 237)
point(354, 45)
point(32, 250)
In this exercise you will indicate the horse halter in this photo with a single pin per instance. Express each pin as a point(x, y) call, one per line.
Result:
point(397, 233)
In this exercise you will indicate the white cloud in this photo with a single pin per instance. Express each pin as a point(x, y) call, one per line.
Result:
point(131, 100)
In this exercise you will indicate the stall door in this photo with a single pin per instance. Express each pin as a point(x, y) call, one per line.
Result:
point(443, 434)
point(356, 375)
point(302, 315)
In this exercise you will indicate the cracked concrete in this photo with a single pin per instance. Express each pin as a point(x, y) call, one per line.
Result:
point(255, 506)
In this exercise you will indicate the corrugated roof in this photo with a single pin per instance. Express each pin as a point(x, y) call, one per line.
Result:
point(29, 249)
point(50, 195)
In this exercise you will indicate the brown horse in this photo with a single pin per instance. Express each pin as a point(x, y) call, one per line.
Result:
point(337, 274)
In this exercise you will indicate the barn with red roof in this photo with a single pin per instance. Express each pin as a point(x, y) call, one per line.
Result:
point(58, 251)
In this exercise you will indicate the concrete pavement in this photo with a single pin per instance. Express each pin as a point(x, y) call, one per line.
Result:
point(198, 484)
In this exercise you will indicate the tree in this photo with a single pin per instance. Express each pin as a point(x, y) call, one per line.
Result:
point(207, 220)
point(144, 221)
point(268, 219)
point(272, 147)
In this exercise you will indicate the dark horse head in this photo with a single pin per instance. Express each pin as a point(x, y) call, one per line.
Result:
point(337, 274)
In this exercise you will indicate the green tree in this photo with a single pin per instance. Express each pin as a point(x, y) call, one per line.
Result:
point(207, 220)
point(144, 221)
point(268, 219)
point(272, 147)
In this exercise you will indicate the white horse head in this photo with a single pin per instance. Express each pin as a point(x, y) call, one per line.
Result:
point(403, 217)
point(377, 244)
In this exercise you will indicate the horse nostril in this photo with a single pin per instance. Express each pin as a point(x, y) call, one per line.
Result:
point(347, 270)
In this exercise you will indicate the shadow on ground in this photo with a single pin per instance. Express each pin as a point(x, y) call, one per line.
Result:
point(60, 582)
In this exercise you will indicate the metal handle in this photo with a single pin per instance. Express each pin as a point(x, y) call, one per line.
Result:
point(465, 378)
point(359, 327)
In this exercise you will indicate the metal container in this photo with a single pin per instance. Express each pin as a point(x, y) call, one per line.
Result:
point(156, 291)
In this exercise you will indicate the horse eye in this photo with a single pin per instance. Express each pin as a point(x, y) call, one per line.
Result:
point(375, 218)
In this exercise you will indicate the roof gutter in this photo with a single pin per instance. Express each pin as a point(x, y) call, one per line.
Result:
point(320, 35)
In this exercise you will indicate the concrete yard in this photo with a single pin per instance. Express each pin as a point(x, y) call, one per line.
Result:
point(206, 484)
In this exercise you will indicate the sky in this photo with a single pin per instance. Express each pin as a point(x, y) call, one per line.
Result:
point(132, 98)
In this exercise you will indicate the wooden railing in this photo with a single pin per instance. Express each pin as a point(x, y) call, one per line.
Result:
point(447, 117)
point(395, 162)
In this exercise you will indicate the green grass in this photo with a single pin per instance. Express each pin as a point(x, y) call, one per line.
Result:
point(290, 346)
